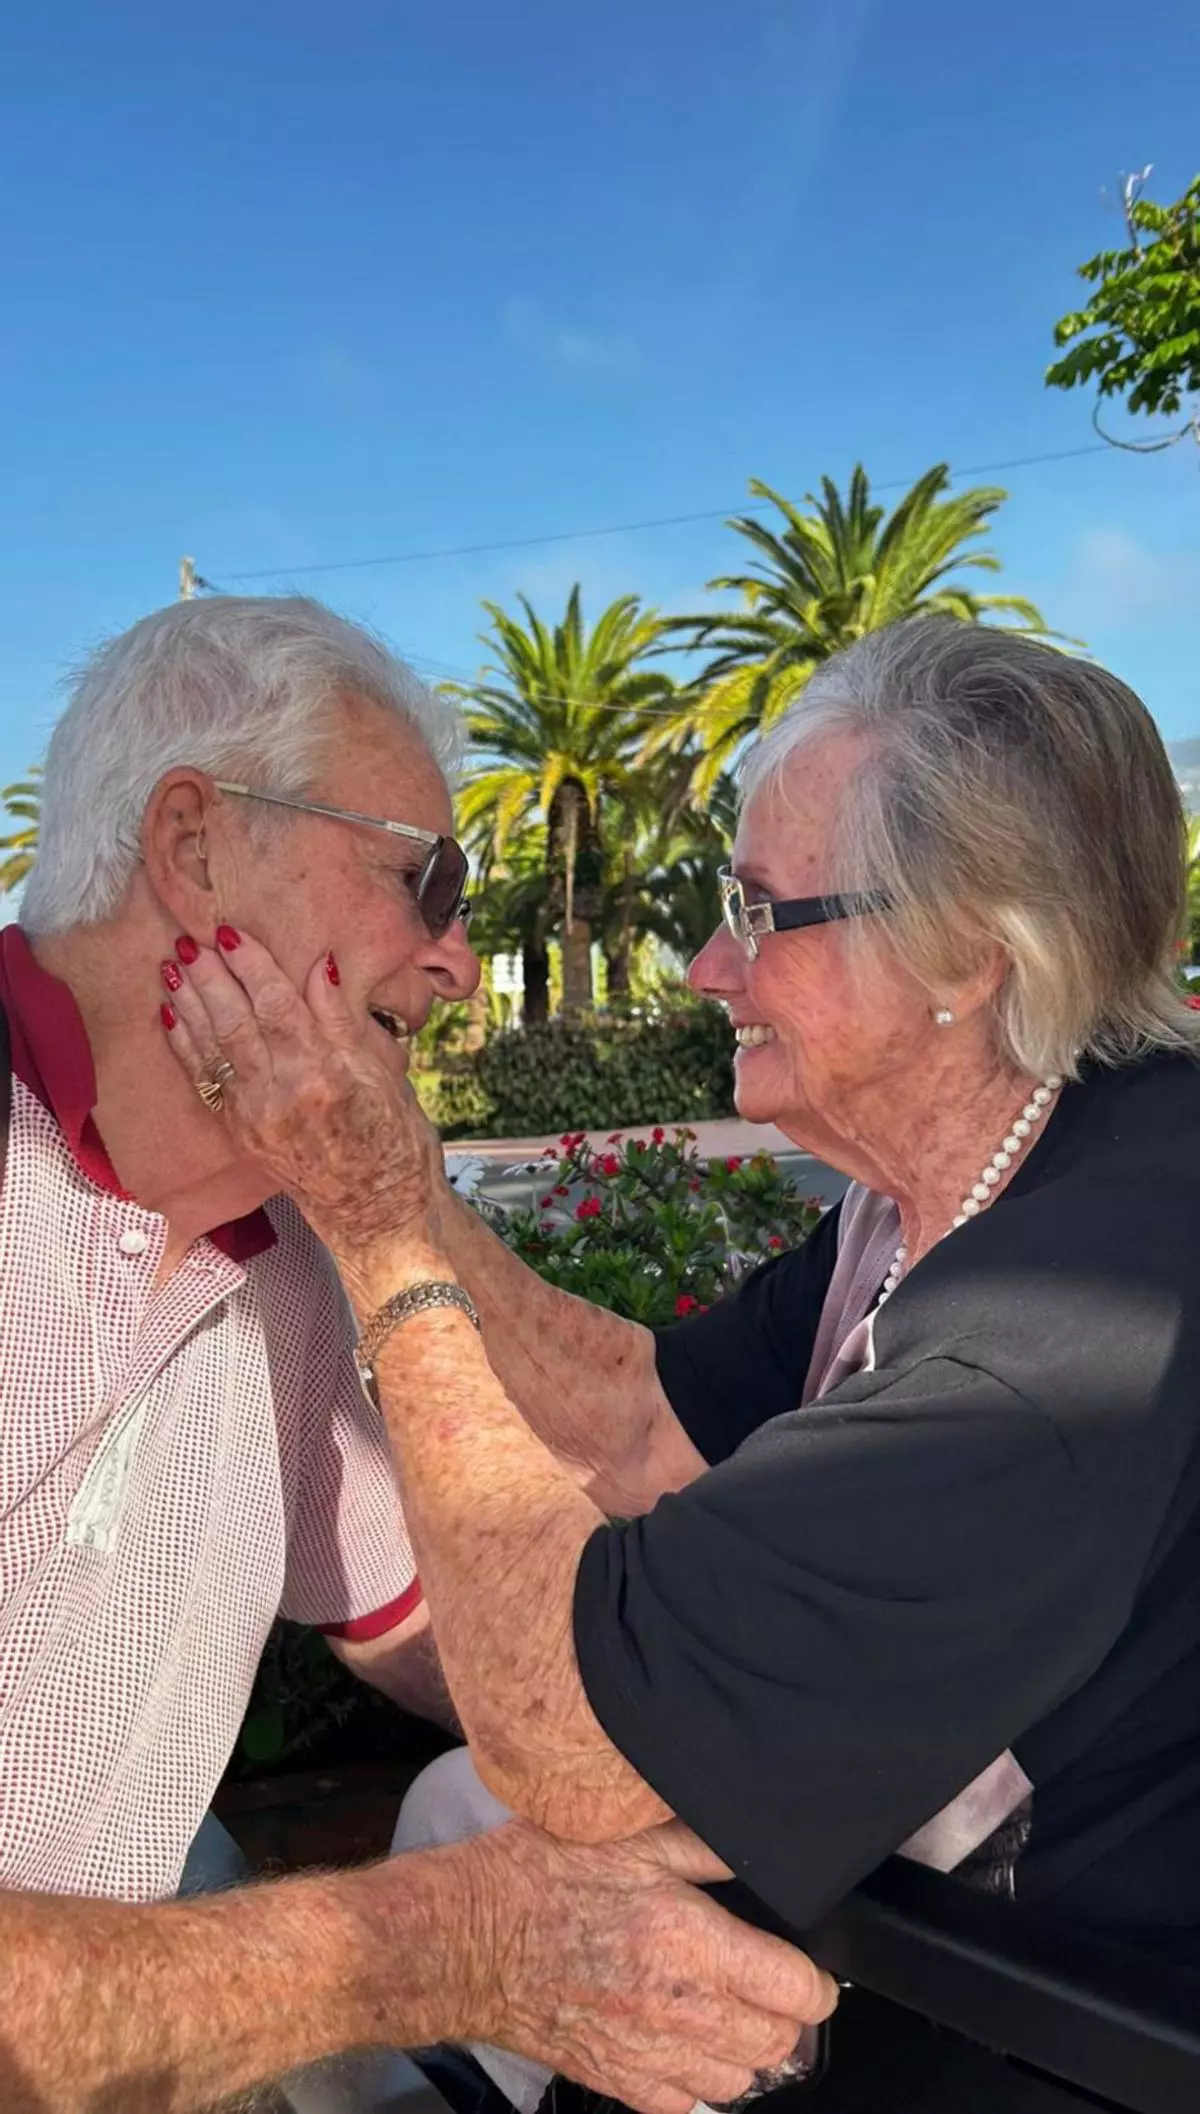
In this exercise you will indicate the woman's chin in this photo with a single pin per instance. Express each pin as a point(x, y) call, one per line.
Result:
point(755, 1086)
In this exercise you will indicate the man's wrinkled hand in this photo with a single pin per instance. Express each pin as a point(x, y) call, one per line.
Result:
point(609, 1965)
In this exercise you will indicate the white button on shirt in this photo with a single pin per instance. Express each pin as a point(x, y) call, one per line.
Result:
point(178, 1464)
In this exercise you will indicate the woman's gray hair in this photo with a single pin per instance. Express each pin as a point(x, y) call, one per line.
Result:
point(238, 685)
point(1008, 794)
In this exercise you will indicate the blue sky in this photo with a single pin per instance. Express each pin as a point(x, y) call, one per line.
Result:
point(287, 284)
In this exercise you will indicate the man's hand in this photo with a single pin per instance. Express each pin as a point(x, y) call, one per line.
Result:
point(318, 1095)
point(607, 1965)
point(601, 1963)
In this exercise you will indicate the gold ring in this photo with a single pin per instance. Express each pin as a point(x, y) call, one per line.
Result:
point(212, 1089)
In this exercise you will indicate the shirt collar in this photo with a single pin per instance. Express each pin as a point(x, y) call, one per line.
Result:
point(52, 1057)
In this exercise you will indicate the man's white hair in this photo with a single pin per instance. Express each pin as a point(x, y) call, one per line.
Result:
point(240, 686)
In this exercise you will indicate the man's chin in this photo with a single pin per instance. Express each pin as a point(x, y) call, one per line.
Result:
point(397, 1053)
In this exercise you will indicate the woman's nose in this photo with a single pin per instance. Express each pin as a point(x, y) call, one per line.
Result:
point(720, 967)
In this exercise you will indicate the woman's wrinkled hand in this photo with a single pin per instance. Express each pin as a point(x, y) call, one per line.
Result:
point(317, 1096)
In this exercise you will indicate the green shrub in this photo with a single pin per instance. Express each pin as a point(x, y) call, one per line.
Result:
point(655, 1234)
point(607, 1069)
point(455, 1100)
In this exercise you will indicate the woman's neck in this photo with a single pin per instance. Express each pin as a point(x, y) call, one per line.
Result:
point(928, 1147)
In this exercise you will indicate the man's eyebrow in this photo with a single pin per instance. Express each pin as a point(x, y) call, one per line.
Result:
point(754, 874)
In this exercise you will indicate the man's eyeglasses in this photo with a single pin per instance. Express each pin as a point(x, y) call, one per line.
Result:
point(441, 879)
point(748, 921)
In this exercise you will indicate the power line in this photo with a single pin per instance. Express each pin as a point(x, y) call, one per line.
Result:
point(628, 528)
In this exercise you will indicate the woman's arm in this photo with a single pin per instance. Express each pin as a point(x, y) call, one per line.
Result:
point(498, 1525)
point(583, 1379)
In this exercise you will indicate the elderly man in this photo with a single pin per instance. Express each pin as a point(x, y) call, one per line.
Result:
point(187, 1448)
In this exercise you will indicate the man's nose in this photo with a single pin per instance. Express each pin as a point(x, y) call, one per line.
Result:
point(452, 963)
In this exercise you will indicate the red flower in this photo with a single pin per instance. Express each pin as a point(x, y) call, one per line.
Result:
point(562, 1190)
point(774, 1241)
point(694, 1185)
point(640, 1145)
point(590, 1208)
point(1194, 1003)
point(658, 1134)
point(734, 1163)
point(615, 1137)
point(685, 1304)
point(547, 1203)
point(547, 1225)
point(608, 1163)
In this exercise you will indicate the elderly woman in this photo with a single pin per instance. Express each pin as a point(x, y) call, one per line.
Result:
point(186, 1449)
point(915, 1513)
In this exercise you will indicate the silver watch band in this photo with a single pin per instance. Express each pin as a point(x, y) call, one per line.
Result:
point(401, 1307)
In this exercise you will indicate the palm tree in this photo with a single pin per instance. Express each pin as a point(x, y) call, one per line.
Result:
point(826, 576)
point(23, 803)
point(681, 904)
point(662, 866)
point(558, 718)
point(512, 911)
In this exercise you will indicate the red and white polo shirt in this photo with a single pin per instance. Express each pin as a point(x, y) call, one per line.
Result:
point(177, 1467)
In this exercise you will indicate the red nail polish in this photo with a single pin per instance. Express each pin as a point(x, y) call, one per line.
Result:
point(331, 970)
point(171, 976)
point(186, 949)
point(167, 1016)
point(227, 938)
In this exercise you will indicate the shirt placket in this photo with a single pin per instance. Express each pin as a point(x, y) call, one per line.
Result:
point(204, 1279)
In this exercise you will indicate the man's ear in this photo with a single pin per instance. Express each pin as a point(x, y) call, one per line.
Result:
point(175, 851)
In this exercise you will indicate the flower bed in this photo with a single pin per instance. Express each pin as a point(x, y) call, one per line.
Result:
point(656, 1234)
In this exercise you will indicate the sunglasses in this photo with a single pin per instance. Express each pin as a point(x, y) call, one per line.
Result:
point(441, 890)
point(748, 921)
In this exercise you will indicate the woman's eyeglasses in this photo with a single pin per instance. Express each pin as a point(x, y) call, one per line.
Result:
point(441, 890)
point(748, 921)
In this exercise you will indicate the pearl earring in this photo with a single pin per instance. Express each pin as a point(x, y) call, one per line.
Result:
point(944, 1018)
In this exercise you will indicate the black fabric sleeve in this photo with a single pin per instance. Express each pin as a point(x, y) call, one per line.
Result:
point(726, 1372)
point(814, 1647)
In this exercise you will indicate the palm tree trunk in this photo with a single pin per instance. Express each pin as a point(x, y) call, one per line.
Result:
point(577, 932)
point(616, 963)
point(619, 957)
point(535, 978)
point(577, 966)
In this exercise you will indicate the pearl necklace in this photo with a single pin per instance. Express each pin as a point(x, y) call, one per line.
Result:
point(985, 1188)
